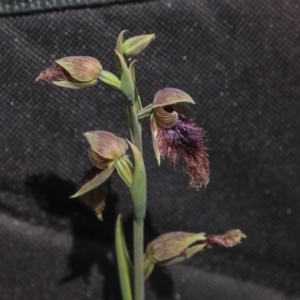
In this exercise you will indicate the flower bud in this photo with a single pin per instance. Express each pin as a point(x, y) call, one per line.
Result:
point(174, 247)
point(125, 169)
point(75, 72)
point(110, 79)
point(135, 45)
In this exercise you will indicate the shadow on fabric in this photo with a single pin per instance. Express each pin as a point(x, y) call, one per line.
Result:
point(93, 240)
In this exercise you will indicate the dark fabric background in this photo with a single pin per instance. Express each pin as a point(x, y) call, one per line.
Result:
point(27, 6)
point(239, 60)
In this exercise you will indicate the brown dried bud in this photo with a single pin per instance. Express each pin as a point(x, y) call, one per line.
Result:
point(174, 247)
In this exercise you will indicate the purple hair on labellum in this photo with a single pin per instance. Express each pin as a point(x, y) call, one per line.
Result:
point(186, 140)
point(54, 73)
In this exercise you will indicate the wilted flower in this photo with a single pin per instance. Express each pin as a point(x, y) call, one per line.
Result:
point(175, 136)
point(107, 152)
point(174, 247)
point(75, 72)
point(229, 239)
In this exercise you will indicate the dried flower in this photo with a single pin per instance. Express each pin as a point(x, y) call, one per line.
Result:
point(230, 239)
point(176, 137)
point(75, 72)
point(174, 247)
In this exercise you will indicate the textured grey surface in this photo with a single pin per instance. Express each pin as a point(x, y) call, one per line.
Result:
point(239, 60)
point(34, 277)
point(9, 7)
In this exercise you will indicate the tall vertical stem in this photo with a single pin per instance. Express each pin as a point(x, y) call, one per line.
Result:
point(138, 225)
point(135, 128)
point(138, 288)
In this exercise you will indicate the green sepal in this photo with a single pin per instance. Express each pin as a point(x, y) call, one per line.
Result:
point(110, 79)
point(138, 188)
point(154, 129)
point(123, 260)
point(186, 255)
point(119, 46)
point(120, 39)
point(127, 85)
point(148, 267)
point(96, 181)
point(125, 169)
point(145, 112)
point(75, 85)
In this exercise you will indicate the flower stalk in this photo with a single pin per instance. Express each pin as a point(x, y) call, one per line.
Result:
point(174, 137)
point(138, 194)
point(138, 186)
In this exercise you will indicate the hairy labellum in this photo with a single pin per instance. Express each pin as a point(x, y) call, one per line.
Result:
point(54, 73)
point(186, 140)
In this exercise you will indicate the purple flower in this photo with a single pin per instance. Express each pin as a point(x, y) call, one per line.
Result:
point(177, 138)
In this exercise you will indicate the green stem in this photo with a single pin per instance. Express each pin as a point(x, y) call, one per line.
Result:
point(138, 226)
point(135, 128)
point(123, 260)
point(138, 231)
